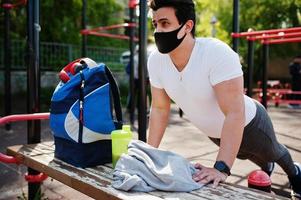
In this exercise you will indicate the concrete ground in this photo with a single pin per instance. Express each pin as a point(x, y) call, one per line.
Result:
point(181, 137)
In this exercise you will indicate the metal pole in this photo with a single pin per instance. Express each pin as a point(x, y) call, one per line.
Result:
point(132, 7)
point(265, 63)
point(7, 64)
point(33, 85)
point(283, 32)
point(250, 67)
point(142, 65)
point(213, 22)
point(84, 26)
point(235, 23)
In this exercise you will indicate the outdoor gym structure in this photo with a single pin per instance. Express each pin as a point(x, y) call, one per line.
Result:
point(266, 37)
point(33, 70)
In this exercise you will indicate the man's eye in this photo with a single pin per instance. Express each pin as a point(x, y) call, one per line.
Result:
point(164, 24)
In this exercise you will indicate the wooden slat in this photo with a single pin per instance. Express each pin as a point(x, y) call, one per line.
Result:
point(97, 186)
point(96, 182)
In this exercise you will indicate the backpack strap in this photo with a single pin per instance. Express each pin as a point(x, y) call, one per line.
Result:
point(116, 98)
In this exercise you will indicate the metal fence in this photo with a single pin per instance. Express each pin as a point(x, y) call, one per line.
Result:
point(53, 56)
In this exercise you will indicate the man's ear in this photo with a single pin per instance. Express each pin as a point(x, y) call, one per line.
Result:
point(189, 26)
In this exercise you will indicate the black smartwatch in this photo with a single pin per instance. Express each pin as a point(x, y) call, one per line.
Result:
point(222, 167)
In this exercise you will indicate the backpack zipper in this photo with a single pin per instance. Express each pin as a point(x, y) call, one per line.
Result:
point(81, 107)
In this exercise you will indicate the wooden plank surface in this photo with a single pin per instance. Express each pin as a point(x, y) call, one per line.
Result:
point(96, 182)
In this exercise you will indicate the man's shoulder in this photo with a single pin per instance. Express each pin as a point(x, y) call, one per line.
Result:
point(209, 41)
point(156, 56)
point(212, 45)
point(213, 48)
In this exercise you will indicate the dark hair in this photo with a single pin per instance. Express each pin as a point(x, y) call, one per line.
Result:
point(184, 9)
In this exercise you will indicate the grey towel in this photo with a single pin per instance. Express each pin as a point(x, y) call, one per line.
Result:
point(146, 168)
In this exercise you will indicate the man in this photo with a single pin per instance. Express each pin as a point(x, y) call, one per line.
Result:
point(204, 78)
point(295, 71)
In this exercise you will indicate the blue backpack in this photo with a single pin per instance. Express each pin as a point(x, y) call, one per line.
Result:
point(81, 115)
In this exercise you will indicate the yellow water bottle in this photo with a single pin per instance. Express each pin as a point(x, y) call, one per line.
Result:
point(120, 141)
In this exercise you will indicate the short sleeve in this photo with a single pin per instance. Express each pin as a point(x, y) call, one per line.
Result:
point(154, 68)
point(226, 64)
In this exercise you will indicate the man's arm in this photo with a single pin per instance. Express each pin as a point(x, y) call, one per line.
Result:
point(159, 115)
point(231, 101)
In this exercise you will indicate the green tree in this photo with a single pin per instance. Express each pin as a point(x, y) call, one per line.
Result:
point(205, 10)
point(64, 24)
point(255, 14)
point(61, 21)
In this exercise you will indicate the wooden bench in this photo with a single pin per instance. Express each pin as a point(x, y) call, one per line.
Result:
point(96, 182)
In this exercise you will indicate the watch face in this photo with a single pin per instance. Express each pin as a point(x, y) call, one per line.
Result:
point(222, 167)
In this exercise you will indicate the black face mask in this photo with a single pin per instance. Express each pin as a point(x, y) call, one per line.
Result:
point(168, 41)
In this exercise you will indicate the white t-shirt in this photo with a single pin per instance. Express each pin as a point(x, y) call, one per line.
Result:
point(210, 63)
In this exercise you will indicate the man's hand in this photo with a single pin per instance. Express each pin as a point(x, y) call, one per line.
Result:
point(206, 175)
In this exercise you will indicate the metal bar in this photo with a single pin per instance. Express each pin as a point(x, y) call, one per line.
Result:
point(29, 58)
point(132, 8)
point(20, 3)
point(37, 75)
point(279, 35)
point(102, 28)
point(33, 85)
point(235, 24)
point(250, 67)
point(287, 101)
point(109, 35)
point(265, 63)
point(280, 41)
point(9, 5)
point(7, 64)
point(142, 65)
point(8, 159)
point(24, 117)
point(278, 91)
point(273, 31)
point(84, 26)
